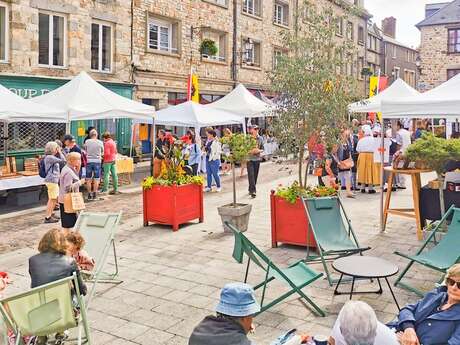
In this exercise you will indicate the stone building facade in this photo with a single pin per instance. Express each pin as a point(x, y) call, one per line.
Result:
point(440, 44)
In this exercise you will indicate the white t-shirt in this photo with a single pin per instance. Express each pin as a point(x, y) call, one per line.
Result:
point(385, 336)
point(406, 141)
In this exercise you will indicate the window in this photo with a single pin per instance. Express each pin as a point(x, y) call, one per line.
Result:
point(206, 99)
point(51, 39)
point(175, 98)
point(155, 102)
point(452, 73)
point(360, 67)
point(409, 77)
point(220, 40)
point(101, 47)
point(350, 31)
point(163, 35)
point(396, 72)
point(252, 52)
point(218, 2)
point(394, 51)
point(3, 32)
point(453, 43)
point(281, 16)
point(360, 34)
point(277, 54)
point(253, 7)
point(339, 26)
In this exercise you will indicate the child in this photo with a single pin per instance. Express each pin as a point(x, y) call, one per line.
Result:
point(76, 244)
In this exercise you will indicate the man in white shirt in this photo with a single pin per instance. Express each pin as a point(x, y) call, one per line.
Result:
point(406, 141)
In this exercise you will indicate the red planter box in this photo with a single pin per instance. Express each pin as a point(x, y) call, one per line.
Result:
point(173, 205)
point(289, 223)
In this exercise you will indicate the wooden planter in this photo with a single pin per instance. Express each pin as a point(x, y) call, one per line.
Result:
point(173, 205)
point(289, 223)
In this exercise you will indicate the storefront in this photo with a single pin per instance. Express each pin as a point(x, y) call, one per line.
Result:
point(29, 139)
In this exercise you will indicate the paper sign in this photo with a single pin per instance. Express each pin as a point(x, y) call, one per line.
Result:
point(81, 132)
point(378, 150)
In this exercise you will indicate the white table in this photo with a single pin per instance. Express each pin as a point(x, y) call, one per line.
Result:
point(21, 182)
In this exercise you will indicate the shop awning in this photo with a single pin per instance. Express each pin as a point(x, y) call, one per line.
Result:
point(243, 103)
point(399, 88)
point(83, 98)
point(14, 108)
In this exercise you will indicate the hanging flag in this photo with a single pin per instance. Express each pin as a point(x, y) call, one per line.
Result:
point(193, 89)
point(377, 85)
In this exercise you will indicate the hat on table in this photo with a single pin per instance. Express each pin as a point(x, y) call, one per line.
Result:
point(238, 299)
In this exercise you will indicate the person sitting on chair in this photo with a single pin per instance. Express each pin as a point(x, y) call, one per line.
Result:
point(358, 324)
point(435, 319)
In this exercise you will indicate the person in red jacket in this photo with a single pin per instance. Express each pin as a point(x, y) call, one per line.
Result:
point(110, 155)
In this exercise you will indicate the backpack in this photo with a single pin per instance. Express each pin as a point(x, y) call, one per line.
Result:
point(42, 172)
point(84, 158)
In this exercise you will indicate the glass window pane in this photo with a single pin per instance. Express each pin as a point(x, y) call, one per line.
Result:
point(43, 38)
point(95, 46)
point(3, 33)
point(58, 41)
point(153, 42)
point(164, 38)
point(106, 48)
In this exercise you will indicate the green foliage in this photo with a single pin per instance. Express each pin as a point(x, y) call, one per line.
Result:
point(150, 181)
point(240, 145)
point(434, 151)
point(208, 47)
point(295, 191)
point(314, 91)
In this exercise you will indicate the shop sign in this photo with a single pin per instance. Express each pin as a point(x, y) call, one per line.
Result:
point(28, 92)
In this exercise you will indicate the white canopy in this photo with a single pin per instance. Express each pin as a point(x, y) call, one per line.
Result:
point(83, 98)
point(399, 88)
point(442, 101)
point(243, 103)
point(14, 108)
point(191, 114)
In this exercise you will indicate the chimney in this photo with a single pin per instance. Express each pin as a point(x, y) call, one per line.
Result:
point(389, 26)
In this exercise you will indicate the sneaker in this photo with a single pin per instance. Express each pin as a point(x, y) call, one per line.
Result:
point(372, 191)
point(114, 192)
point(401, 187)
point(51, 220)
point(218, 190)
point(90, 197)
point(363, 191)
point(55, 217)
point(253, 195)
point(207, 189)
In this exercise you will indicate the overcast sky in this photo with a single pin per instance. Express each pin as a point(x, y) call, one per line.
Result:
point(407, 12)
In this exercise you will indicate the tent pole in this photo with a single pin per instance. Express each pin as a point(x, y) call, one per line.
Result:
point(132, 139)
point(382, 178)
point(5, 141)
point(154, 147)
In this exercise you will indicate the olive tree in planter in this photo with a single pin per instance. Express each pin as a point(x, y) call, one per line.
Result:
point(239, 146)
point(434, 153)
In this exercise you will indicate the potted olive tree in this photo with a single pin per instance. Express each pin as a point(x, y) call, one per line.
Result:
point(238, 148)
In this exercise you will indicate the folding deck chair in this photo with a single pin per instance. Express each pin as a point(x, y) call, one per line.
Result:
point(46, 310)
point(332, 231)
point(443, 255)
point(98, 230)
point(296, 276)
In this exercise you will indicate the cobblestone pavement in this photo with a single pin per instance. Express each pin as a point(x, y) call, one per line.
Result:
point(171, 280)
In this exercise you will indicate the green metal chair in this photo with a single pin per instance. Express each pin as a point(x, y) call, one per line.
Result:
point(46, 310)
point(443, 255)
point(332, 231)
point(98, 230)
point(296, 276)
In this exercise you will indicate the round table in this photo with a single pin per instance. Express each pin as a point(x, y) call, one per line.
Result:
point(364, 267)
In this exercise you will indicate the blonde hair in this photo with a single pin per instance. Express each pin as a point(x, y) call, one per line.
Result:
point(73, 156)
point(453, 271)
point(51, 147)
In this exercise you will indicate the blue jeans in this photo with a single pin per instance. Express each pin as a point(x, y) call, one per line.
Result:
point(93, 169)
point(212, 170)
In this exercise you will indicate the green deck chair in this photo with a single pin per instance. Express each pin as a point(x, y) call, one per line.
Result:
point(296, 276)
point(332, 231)
point(46, 310)
point(98, 230)
point(443, 255)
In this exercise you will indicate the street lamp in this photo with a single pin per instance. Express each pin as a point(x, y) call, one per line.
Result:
point(248, 51)
point(418, 63)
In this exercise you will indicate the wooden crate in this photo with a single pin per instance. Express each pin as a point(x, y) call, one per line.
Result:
point(31, 164)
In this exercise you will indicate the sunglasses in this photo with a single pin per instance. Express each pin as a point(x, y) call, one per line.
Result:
point(452, 282)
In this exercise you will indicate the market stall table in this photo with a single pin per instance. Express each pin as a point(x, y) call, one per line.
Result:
point(364, 267)
point(429, 203)
point(405, 212)
point(16, 182)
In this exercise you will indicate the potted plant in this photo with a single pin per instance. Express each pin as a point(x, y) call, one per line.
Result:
point(288, 213)
point(312, 107)
point(173, 198)
point(208, 48)
point(433, 153)
point(238, 148)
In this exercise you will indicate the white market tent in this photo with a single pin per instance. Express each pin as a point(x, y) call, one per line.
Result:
point(399, 88)
point(191, 114)
point(242, 102)
point(442, 102)
point(83, 98)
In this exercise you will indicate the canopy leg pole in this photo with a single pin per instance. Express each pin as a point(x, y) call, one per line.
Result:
point(5, 142)
point(382, 179)
point(132, 139)
point(154, 147)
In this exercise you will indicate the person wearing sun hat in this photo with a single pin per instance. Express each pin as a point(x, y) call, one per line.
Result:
point(233, 320)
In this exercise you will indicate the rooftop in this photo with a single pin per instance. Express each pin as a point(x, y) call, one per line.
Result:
point(448, 14)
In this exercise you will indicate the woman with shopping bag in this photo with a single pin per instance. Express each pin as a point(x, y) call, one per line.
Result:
point(70, 199)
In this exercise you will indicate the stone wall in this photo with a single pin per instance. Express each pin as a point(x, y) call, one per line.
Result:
point(23, 52)
point(434, 57)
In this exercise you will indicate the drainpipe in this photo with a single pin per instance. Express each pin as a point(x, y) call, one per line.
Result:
point(234, 44)
point(132, 42)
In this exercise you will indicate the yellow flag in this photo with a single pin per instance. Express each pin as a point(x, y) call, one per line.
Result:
point(195, 89)
point(374, 90)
